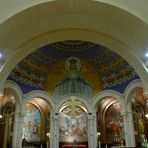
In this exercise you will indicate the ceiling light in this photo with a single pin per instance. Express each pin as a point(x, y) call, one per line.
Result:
point(0, 55)
point(98, 134)
point(1, 116)
point(146, 115)
point(48, 134)
point(146, 54)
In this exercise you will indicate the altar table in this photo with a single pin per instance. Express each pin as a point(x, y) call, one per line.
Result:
point(74, 146)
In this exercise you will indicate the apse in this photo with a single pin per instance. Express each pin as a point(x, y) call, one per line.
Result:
point(101, 67)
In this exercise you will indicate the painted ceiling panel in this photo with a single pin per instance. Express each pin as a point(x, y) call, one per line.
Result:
point(99, 65)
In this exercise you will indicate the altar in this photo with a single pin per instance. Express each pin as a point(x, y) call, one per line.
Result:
point(74, 146)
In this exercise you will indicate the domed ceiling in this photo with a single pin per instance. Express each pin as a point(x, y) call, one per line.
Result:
point(44, 68)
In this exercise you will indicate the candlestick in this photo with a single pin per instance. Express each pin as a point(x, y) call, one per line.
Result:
point(47, 144)
point(99, 144)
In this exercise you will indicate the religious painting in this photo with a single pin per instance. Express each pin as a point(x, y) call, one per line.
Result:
point(114, 123)
point(139, 108)
point(73, 126)
point(32, 123)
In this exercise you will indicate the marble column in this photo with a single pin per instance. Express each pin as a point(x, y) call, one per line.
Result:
point(51, 131)
point(6, 131)
point(56, 123)
point(17, 131)
point(54, 126)
point(129, 131)
point(92, 132)
point(95, 131)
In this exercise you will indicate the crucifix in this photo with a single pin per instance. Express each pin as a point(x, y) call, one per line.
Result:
point(73, 102)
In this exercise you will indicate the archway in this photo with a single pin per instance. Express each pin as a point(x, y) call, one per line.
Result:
point(110, 128)
point(65, 24)
point(36, 123)
point(73, 67)
point(76, 29)
point(37, 109)
point(138, 98)
point(73, 127)
point(8, 112)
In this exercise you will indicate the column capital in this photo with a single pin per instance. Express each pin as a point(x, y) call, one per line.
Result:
point(54, 117)
point(91, 116)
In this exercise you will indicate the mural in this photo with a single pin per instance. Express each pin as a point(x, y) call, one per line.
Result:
point(110, 70)
point(32, 123)
point(73, 128)
point(114, 123)
point(139, 108)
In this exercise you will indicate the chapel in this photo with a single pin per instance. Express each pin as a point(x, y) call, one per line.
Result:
point(74, 74)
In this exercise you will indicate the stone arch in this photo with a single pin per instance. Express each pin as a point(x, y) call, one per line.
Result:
point(42, 94)
point(17, 93)
point(72, 29)
point(29, 5)
point(129, 111)
point(65, 98)
point(105, 93)
point(129, 88)
point(101, 112)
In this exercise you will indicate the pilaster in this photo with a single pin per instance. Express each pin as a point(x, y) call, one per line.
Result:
point(54, 131)
point(92, 132)
point(17, 130)
point(129, 131)
point(6, 131)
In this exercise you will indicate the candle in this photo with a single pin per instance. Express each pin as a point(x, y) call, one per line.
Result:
point(47, 144)
point(106, 146)
point(41, 146)
point(99, 144)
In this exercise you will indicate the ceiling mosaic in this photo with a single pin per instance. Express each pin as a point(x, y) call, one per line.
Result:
point(103, 68)
point(73, 45)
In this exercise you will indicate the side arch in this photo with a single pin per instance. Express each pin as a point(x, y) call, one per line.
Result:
point(106, 93)
point(129, 88)
point(17, 92)
point(42, 94)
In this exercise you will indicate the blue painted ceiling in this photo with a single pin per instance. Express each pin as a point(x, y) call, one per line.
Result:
point(115, 73)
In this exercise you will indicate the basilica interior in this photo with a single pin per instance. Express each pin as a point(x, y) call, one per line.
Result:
point(73, 74)
point(73, 90)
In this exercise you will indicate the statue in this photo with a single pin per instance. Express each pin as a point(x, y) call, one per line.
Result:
point(141, 126)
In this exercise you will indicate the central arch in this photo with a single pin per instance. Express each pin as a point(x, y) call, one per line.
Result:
point(69, 131)
point(71, 27)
